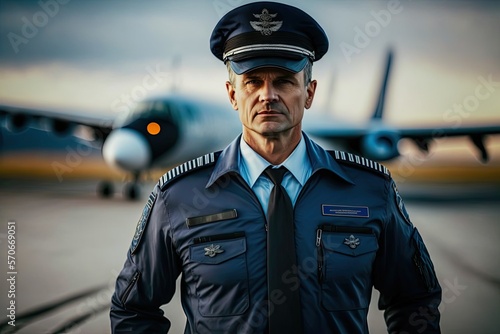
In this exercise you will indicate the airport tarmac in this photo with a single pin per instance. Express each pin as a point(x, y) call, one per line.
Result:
point(69, 242)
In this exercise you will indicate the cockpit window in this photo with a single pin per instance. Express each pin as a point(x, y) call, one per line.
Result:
point(158, 109)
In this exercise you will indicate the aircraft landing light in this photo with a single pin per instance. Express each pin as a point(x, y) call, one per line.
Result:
point(153, 128)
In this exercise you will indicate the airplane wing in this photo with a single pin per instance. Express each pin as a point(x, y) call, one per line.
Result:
point(423, 136)
point(17, 119)
point(381, 142)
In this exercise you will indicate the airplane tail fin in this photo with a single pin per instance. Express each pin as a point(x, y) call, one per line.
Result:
point(379, 108)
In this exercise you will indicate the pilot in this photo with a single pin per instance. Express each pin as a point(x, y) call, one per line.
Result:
point(274, 234)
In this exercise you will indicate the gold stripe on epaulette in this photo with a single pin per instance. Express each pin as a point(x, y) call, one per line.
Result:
point(186, 167)
point(357, 160)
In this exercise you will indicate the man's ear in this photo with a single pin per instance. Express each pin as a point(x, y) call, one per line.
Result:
point(311, 90)
point(231, 94)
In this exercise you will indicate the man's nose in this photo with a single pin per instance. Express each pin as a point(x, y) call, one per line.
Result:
point(268, 92)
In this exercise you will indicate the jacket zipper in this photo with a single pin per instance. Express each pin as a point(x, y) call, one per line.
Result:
point(417, 259)
point(135, 278)
point(319, 234)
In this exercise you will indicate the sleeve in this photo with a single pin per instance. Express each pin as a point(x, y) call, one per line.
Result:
point(147, 280)
point(404, 274)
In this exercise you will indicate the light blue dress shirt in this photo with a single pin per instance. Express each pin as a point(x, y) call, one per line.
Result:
point(252, 165)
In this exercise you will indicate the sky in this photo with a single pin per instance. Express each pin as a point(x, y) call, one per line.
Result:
point(102, 57)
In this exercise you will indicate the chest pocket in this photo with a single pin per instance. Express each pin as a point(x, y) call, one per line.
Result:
point(221, 275)
point(345, 261)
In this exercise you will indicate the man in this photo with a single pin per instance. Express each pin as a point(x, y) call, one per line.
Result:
point(300, 256)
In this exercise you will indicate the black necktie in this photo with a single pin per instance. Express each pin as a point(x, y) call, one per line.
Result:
point(282, 280)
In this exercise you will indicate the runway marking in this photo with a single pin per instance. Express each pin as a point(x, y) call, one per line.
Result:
point(32, 316)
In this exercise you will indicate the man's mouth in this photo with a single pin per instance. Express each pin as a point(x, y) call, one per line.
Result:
point(269, 112)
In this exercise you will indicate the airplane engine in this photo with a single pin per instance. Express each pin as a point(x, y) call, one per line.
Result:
point(60, 127)
point(17, 122)
point(380, 145)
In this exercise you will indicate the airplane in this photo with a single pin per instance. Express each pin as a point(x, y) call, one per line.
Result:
point(168, 130)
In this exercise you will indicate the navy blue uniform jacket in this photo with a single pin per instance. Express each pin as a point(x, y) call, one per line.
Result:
point(204, 222)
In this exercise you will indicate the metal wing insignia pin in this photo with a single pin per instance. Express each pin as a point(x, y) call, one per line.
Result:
point(213, 250)
point(266, 26)
point(352, 242)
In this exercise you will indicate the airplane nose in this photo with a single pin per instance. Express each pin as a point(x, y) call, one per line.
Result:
point(127, 149)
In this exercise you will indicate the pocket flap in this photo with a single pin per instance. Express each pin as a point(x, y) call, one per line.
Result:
point(350, 243)
point(217, 251)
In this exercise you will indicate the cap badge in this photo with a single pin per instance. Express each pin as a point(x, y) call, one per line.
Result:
point(213, 250)
point(266, 26)
point(352, 242)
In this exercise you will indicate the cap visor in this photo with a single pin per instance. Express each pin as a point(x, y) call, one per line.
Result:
point(292, 65)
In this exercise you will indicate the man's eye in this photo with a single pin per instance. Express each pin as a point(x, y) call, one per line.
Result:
point(284, 82)
point(252, 82)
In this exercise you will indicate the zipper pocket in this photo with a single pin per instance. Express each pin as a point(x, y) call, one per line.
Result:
point(134, 279)
point(345, 229)
point(218, 237)
point(334, 229)
point(422, 262)
point(319, 234)
point(423, 270)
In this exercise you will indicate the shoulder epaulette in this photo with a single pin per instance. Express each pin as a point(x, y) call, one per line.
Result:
point(187, 167)
point(356, 160)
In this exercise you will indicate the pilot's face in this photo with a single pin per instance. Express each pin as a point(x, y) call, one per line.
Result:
point(270, 101)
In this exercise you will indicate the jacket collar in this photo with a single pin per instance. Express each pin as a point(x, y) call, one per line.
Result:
point(229, 160)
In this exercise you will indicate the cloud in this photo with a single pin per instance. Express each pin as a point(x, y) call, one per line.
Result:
point(98, 32)
point(102, 49)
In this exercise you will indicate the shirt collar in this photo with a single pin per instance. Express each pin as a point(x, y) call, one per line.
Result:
point(253, 164)
point(229, 161)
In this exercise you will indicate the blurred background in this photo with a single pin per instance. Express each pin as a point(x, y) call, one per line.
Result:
point(90, 57)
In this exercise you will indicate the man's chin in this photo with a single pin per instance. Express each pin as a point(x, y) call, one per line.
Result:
point(275, 132)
